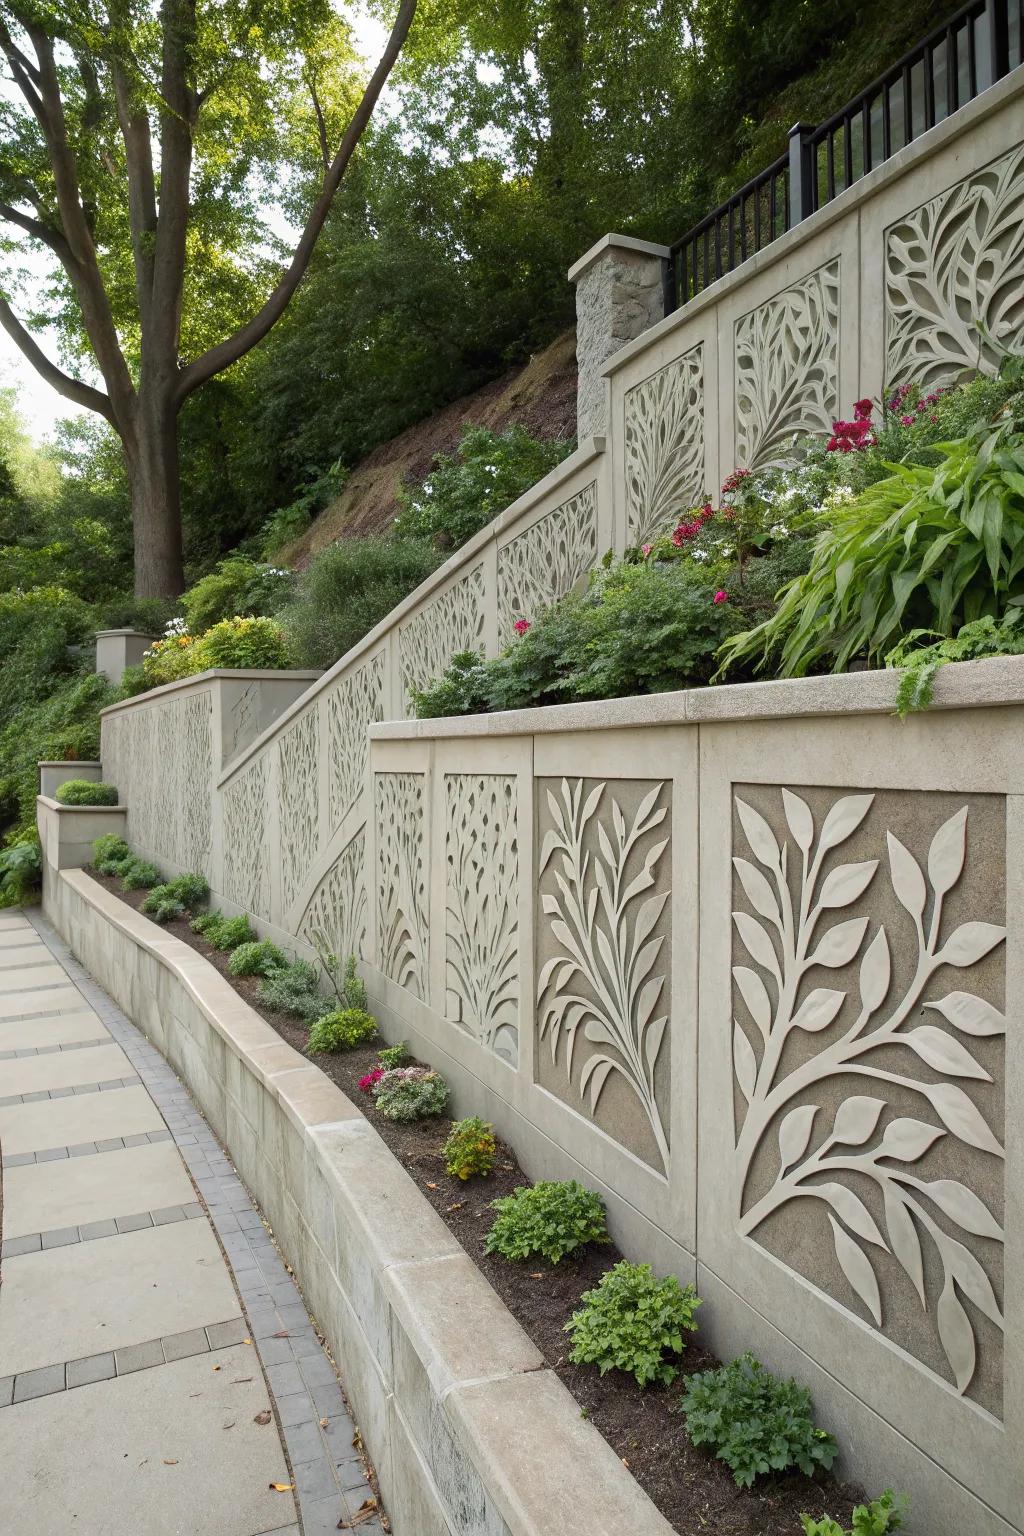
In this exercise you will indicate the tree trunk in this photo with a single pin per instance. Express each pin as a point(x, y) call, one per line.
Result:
point(156, 499)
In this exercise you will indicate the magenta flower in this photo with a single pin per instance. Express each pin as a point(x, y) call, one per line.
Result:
point(720, 597)
point(645, 549)
point(906, 421)
point(368, 1083)
point(521, 626)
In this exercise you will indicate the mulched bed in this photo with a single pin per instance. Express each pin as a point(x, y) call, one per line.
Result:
point(693, 1490)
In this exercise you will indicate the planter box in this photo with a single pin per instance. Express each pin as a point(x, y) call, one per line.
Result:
point(67, 832)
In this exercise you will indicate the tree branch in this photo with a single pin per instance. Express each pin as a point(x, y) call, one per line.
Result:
point(63, 383)
point(36, 228)
point(229, 351)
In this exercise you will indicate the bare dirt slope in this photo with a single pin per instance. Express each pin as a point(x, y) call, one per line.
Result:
point(541, 397)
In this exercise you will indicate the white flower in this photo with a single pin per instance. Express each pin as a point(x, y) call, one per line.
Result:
point(699, 554)
point(779, 531)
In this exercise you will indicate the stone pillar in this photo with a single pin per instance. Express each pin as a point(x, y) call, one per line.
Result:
point(117, 649)
point(619, 294)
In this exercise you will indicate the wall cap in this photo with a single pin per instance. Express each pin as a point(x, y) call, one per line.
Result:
point(69, 762)
point(214, 674)
point(615, 243)
point(143, 634)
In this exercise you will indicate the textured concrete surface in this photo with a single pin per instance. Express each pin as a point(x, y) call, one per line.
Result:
point(135, 1395)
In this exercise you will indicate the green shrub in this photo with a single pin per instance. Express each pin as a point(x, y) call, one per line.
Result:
point(21, 872)
point(62, 723)
point(243, 642)
point(341, 1030)
point(347, 589)
point(632, 1322)
point(86, 792)
point(921, 656)
point(755, 1422)
point(237, 586)
point(553, 1218)
point(294, 989)
point(924, 549)
point(471, 1149)
point(874, 1519)
point(348, 986)
point(392, 1056)
point(191, 890)
point(138, 875)
point(411, 1093)
point(110, 849)
point(229, 932)
point(256, 958)
point(204, 921)
point(462, 494)
point(162, 905)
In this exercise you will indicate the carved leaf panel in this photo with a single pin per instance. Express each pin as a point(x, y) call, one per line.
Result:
point(545, 562)
point(954, 278)
point(335, 918)
point(787, 368)
point(604, 953)
point(664, 446)
point(246, 861)
point(868, 995)
point(356, 703)
point(450, 623)
point(482, 910)
point(402, 932)
point(299, 786)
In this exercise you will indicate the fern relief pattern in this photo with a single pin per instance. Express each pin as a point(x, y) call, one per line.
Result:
point(299, 785)
point(246, 869)
point(603, 989)
point(335, 918)
point(544, 563)
point(450, 623)
point(482, 910)
point(842, 1093)
point(954, 278)
point(160, 757)
point(664, 446)
point(352, 707)
point(787, 368)
point(401, 880)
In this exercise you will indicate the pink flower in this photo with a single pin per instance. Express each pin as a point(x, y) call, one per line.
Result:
point(734, 481)
point(906, 421)
point(720, 597)
point(645, 549)
point(521, 626)
point(368, 1083)
point(862, 410)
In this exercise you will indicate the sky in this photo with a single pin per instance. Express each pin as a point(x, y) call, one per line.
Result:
point(40, 406)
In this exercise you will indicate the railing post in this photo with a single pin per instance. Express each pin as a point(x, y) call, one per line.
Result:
point(994, 59)
point(801, 174)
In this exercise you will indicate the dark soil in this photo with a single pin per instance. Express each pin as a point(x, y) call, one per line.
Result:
point(694, 1492)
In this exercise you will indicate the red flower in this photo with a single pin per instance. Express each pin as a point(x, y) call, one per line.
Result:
point(862, 410)
point(368, 1083)
point(720, 597)
point(521, 626)
point(906, 421)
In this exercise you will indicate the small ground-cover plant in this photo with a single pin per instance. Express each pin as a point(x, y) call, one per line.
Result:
point(411, 1093)
point(257, 957)
point(224, 932)
point(391, 1056)
point(110, 849)
point(632, 1321)
point(295, 988)
point(921, 655)
point(874, 1519)
point(341, 1030)
point(471, 1149)
point(755, 1422)
point(554, 1218)
point(138, 874)
point(86, 792)
point(175, 897)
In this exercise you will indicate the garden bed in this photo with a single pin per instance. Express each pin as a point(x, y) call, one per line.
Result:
point(694, 1491)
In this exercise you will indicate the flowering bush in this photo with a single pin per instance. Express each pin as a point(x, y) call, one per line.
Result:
point(231, 643)
point(368, 1083)
point(411, 1093)
point(470, 1148)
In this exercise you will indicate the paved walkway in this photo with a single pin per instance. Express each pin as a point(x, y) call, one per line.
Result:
point(158, 1369)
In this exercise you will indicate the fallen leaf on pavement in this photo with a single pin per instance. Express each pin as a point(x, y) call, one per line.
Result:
point(172, 1463)
point(323, 1423)
point(264, 1417)
point(240, 1381)
point(280, 1487)
point(216, 1367)
point(366, 1511)
point(283, 1334)
point(231, 1425)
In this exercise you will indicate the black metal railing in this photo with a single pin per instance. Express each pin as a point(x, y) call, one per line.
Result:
point(955, 63)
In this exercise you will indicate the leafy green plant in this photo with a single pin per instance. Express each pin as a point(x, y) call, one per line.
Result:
point(138, 875)
point(633, 1322)
point(341, 1030)
point(191, 889)
point(755, 1422)
point(464, 492)
point(411, 1093)
point(257, 957)
point(86, 792)
point(294, 989)
point(228, 932)
point(874, 1519)
point(174, 897)
point(391, 1056)
point(921, 656)
point(347, 589)
point(348, 987)
point(21, 872)
point(553, 1218)
point(925, 548)
point(243, 642)
point(237, 586)
point(110, 850)
point(470, 1149)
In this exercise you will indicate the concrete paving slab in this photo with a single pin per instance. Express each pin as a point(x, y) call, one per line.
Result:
point(65, 1069)
point(23, 954)
point(51, 1000)
point(51, 1029)
point(67, 1122)
point(27, 978)
point(65, 1303)
point(80, 1190)
point(12, 920)
point(179, 1454)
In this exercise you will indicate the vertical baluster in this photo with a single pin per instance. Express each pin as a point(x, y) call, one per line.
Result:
point(952, 72)
point(908, 114)
point(865, 121)
point(848, 149)
point(929, 88)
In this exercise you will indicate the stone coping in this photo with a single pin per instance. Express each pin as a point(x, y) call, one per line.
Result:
point(995, 682)
point(615, 243)
point(215, 674)
point(61, 809)
point(902, 163)
point(69, 762)
point(543, 1468)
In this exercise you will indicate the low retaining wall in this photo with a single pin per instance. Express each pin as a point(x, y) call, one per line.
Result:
point(469, 1433)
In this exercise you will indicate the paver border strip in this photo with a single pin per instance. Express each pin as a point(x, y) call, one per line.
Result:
point(317, 1429)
